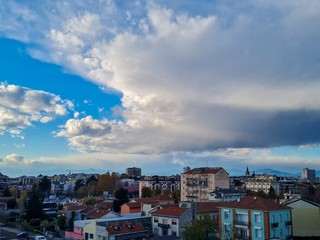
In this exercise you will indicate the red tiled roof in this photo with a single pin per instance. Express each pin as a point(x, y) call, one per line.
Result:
point(204, 170)
point(105, 205)
point(206, 207)
point(133, 204)
point(87, 210)
point(97, 213)
point(170, 211)
point(255, 203)
point(127, 228)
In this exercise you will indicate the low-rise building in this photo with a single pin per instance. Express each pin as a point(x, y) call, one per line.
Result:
point(305, 218)
point(169, 221)
point(164, 183)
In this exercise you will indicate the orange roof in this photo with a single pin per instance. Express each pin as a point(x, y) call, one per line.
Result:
point(206, 207)
point(204, 170)
point(105, 205)
point(255, 203)
point(73, 207)
point(170, 211)
point(97, 213)
point(127, 228)
point(133, 204)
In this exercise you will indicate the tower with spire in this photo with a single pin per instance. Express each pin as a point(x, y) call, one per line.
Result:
point(247, 172)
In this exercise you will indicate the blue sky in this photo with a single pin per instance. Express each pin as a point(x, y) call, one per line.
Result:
point(158, 85)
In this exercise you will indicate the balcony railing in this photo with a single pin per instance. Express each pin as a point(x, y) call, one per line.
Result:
point(274, 225)
point(242, 223)
point(288, 223)
point(163, 225)
point(241, 237)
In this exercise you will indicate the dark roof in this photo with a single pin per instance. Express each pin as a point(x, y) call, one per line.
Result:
point(204, 170)
point(254, 203)
point(170, 211)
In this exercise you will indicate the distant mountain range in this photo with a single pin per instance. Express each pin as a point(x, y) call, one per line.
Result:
point(276, 172)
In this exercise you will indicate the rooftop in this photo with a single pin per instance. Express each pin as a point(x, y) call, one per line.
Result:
point(255, 203)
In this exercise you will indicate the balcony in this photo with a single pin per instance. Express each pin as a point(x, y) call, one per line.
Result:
point(241, 237)
point(242, 223)
point(274, 225)
point(288, 223)
point(163, 225)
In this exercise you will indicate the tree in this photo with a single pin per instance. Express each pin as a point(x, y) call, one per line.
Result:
point(120, 197)
point(78, 184)
point(34, 205)
point(92, 178)
point(156, 191)
point(272, 193)
point(6, 192)
point(175, 195)
point(146, 192)
point(45, 185)
point(200, 229)
point(71, 220)
point(61, 222)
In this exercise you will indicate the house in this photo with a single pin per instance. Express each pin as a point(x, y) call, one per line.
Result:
point(305, 218)
point(131, 207)
point(198, 183)
point(226, 195)
point(169, 221)
point(254, 218)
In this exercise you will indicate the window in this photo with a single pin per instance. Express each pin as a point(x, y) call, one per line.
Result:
point(227, 228)
point(86, 236)
point(257, 217)
point(174, 221)
point(156, 231)
point(258, 233)
point(226, 214)
point(165, 221)
point(174, 233)
point(91, 236)
point(156, 220)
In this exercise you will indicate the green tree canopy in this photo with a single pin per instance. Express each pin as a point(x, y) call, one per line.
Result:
point(120, 197)
point(146, 192)
point(34, 205)
point(45, 185)
point(200, 229)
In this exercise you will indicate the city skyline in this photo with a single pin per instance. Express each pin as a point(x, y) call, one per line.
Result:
point(159, 85)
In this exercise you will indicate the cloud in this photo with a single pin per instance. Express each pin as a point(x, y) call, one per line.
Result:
point(20, 107)
point(13, 158)
point(242, 75)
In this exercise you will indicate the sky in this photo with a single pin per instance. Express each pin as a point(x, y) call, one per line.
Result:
point(97, 86)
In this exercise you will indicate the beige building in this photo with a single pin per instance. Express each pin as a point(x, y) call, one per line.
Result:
point(263, 183)
point(197, 183)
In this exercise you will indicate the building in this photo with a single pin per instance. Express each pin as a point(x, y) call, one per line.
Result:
point(308, 174)
point(198, 183)
point(133, 172)
point(169, 221)
point(305, 218)
point(226, 195)
point(164, 183)
point(263, 183)
point(254, 218)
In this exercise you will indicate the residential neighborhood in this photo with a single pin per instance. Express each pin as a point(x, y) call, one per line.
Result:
point(108, 206)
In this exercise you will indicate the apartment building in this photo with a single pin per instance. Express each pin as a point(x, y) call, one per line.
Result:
point(263, 183)
point(171, 183)
point(254, 218)
point(198, 183)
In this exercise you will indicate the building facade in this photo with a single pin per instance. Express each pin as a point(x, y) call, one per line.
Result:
point(198, 183)
point(171, 183)
point(133, 172)
point(308, 174)
point(254, 218)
